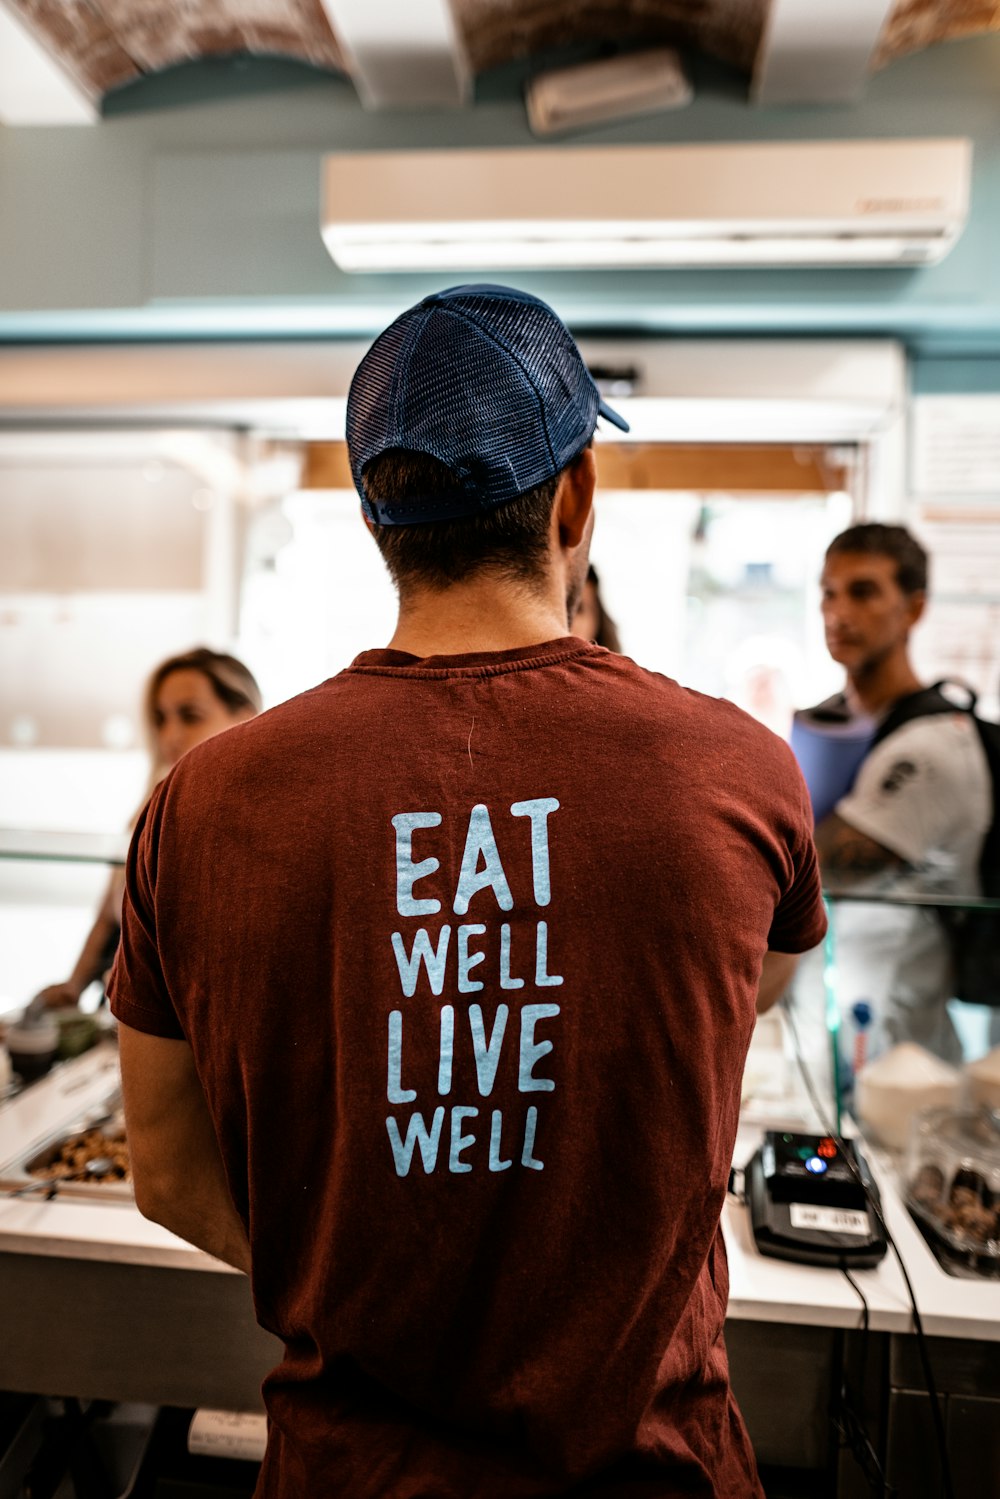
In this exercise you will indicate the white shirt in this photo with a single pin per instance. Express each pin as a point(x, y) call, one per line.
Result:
point(925, 794)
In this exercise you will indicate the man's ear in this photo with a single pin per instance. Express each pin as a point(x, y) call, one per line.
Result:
point(916, 604)
point(575, 498)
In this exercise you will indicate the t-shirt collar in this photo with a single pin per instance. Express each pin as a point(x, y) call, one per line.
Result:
point(547, 653)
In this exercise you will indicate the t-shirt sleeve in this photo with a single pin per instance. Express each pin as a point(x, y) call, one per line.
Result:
point(799, 922)
point(138, 991)
point(904, 797)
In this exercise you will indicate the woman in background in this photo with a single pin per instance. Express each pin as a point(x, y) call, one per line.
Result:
point(188, 699)
point(591, 620)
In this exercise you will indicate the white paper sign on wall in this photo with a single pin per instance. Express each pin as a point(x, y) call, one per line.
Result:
point(955, 445)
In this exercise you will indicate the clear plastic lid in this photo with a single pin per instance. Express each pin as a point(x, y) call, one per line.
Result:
point(953, 1182)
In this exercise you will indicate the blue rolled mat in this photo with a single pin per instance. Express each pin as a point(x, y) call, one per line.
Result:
point(829, 749)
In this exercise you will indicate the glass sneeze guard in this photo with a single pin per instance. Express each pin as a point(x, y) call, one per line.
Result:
point(63, 847)
point(884, 941)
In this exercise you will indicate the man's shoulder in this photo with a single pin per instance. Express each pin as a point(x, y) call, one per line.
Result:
point(936, 735)
point(695, 718)
point(925, 756)
point(702, 707)
point(259, 742)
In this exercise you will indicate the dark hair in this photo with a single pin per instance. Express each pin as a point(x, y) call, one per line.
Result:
point(232, 682)
point(878, 540)
point(510, 540)
point(607, 630)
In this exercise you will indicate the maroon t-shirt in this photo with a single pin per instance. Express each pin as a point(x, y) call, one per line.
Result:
point(466, 950)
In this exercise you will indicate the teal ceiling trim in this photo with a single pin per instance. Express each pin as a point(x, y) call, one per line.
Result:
point(947, 330)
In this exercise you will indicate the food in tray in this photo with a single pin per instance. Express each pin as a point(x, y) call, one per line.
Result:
point(89, 1145)
point(967, 1210)
point(967, 1215)
point(953, 1183)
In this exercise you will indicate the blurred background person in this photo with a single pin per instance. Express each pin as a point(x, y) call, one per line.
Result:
point(591, 621)
point(188, 698)
point(920, 805)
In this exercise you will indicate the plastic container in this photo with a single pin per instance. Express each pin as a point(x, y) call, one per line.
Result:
point(983, 1080)
point(952, 1178)
point(77, 1032)
point(889, 1091)
point(32, 1044)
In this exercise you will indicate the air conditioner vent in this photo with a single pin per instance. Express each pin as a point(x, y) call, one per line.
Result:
point(833, 203)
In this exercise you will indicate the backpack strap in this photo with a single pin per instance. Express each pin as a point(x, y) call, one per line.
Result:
point(927, 702)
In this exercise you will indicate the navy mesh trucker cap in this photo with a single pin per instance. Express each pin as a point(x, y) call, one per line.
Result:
point(484, 378)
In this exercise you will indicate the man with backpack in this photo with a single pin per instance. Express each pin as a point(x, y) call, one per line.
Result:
point(921, 807)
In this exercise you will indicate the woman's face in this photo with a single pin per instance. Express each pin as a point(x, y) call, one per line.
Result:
point(186, 711)
point(586, 621)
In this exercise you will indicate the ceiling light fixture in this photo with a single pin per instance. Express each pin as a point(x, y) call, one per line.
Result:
point(613, 88)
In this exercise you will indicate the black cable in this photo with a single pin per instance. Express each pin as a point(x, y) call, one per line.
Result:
point(853, 1428)
point(918, 1326)
point(855, 1438)
point(864, 1325)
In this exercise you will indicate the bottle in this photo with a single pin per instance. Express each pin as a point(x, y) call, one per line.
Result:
point(853, 1048)
point(861, 1016)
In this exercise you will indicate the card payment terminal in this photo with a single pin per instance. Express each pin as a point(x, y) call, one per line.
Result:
point(807, 1204)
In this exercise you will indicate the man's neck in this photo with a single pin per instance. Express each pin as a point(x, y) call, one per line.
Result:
point(876, 687)
point(484, 615)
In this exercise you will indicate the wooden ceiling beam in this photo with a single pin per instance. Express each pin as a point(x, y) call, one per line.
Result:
point(727, 468)
point(700, 468)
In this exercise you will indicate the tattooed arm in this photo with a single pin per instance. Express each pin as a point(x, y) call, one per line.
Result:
point(844, 852)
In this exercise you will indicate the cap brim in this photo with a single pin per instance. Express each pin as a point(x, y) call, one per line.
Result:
point(603, 409)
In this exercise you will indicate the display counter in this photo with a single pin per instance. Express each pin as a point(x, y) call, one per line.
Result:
point(769, 1290)
point(102, 1304)
point(761, 1290)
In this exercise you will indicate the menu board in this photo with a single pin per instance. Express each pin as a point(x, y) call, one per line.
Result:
point(955, 510)
point(955, 445)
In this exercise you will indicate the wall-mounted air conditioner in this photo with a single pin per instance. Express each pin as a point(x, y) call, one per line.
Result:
point(815, 203)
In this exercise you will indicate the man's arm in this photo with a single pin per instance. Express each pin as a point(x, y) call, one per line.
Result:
point(845, 852)
point(177, 1171)
point(775, 977)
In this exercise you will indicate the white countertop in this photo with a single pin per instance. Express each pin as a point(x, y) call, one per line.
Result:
point(761, 1289)
point(69, 1227)
point(770, 1290)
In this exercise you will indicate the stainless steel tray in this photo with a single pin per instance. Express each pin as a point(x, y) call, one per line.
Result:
point(19, 1172)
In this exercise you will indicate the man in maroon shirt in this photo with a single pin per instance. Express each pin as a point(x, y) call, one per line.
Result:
point(436, 982)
